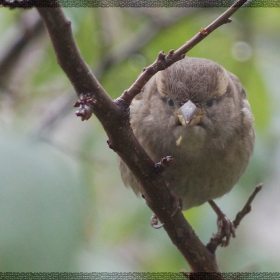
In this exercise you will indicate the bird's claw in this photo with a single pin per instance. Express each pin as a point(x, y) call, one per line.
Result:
point(154, 222)
point(176, 203)
point(226, 229)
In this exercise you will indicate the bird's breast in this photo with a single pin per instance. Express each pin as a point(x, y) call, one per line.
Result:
point(203, 175)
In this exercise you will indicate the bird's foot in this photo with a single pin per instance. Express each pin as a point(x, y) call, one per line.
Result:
point(154, 222)
point(177, 203)
point(176, 206)
point(226, 228)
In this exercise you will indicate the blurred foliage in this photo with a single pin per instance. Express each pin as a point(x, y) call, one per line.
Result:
point(63, 205)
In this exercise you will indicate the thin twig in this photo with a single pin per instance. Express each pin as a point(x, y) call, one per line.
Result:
point(247, 207)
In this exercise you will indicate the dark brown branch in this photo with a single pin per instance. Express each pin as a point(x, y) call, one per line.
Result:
point(217, 240)
point(164, 61)
point(114, 118)
point(69, 58)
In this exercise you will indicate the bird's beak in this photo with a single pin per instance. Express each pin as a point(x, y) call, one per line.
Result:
point(189, 114)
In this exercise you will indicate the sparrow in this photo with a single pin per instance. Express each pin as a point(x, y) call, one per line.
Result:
point(196, 112)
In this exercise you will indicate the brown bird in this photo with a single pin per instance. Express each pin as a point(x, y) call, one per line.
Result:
point(197, 112)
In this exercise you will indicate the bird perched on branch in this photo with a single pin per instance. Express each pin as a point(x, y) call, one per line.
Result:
point(197, 112)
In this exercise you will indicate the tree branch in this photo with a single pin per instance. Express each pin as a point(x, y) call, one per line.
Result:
point(114, 116)
point(247, 207)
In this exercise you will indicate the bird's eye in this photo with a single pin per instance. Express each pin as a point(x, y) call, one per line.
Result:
point(170, 102)
point(210, 102)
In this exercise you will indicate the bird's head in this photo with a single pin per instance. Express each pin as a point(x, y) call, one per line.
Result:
point(197, 100)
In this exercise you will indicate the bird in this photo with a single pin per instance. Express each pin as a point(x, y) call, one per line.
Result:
point(196, 112)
